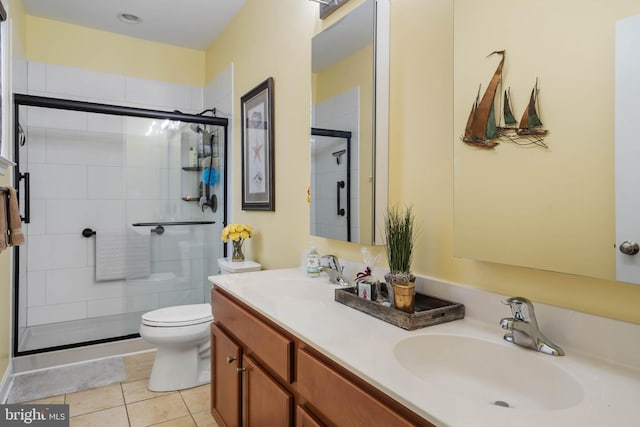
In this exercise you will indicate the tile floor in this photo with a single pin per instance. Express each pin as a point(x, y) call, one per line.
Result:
point(130, 404)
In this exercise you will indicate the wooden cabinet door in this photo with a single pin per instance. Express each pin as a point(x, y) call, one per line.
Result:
point(305, 419)
point(265, 402)
point(225, 378)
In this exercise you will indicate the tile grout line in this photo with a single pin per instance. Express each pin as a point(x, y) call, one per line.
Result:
point(126, 408)
point(188, 409)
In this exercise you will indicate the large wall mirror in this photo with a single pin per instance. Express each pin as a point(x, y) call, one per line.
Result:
point(349, 124)
point(555, 207)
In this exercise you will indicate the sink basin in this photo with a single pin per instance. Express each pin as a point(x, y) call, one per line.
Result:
point(493, 373)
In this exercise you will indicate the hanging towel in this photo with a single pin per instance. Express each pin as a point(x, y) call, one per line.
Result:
point(122, 256)
point(138, 254)
point(4, 223)
point(16, 237)
point(111, 256)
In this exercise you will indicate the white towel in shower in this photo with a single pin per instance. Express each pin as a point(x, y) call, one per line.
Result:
point(111, 256)
point(122, 256)
point(138, 254)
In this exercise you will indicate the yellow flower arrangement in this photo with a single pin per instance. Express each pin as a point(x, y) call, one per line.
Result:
point(237, 232)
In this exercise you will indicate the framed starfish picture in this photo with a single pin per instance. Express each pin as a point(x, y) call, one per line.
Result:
point(258, 148)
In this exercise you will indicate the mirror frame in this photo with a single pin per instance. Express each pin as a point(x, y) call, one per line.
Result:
point(381, 118)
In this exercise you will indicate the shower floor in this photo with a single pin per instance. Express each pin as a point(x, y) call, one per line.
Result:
point(79, 331)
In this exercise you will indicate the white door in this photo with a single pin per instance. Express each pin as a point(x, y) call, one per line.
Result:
point(627, 142)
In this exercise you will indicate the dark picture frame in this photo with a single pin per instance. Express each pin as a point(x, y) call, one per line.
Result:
point(258, 162)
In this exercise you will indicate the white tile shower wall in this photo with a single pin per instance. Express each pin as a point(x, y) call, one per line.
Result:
point(85, 85)
point(75, 184)
point(339, 113)
point(218, 93)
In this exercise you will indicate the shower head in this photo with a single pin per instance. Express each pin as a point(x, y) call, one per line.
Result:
point(196, 128)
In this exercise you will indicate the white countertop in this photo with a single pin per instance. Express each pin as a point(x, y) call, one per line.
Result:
point(365, 345)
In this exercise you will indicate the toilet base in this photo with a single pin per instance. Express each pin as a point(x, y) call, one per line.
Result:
point(177, 369)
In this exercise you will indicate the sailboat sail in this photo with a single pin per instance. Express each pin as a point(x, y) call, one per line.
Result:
point(509, 119)
point(530, 123)
point(482, 128)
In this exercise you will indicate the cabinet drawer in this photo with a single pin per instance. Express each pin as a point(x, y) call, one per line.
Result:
point(261, 341)
point(337, 401)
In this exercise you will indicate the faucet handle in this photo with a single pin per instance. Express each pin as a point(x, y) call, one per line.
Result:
point(333, 262)
point(521, 308)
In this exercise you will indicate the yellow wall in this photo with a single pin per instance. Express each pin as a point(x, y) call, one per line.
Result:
point(421, 151)
point(521, 205)
point(59, 43)
point(267, 40)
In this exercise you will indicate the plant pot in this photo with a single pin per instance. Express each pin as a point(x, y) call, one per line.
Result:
point(405, 296)
point(394, 278)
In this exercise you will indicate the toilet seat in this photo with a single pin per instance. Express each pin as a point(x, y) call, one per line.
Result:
point(180, 315)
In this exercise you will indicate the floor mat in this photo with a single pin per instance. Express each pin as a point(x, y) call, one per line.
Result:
point(66, 379)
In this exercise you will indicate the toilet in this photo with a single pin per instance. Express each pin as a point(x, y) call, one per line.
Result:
point(181, 335)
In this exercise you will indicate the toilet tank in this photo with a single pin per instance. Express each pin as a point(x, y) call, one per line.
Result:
point(226, 266)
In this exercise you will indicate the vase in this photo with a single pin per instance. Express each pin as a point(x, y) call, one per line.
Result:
point(404, 298)
point(237, 256)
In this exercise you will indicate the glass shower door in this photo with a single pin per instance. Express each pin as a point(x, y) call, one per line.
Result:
point(122, 219)
point(172, 214)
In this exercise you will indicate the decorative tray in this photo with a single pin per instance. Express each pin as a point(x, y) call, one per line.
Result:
point(428, 310)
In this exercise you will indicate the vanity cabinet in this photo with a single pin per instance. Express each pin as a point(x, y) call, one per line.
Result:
point(225, 390)
point(305, 419)
point(332, 396)
point(264, 376)
point(264, 401)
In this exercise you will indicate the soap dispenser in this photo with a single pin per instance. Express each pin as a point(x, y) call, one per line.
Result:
point(313, 262)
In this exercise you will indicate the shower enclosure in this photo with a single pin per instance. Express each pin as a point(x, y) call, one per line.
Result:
point(331, 176)
point(122, 213)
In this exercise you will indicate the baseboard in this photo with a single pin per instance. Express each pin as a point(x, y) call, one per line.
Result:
point(6, 383)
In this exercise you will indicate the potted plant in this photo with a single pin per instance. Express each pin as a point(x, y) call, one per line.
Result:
point(400, 232)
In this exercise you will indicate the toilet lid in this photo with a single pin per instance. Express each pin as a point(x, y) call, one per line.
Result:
point(179, 315)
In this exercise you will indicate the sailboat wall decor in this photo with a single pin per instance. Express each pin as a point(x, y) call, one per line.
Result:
point(481, 129)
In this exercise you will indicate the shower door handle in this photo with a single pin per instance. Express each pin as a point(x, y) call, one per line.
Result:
point(27, 196)
point(340, 184)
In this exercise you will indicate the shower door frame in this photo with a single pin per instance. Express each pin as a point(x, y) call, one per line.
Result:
point(90, 107)
point(346, 135)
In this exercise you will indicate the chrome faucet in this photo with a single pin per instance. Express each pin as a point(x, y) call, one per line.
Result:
point(523, 328)
point(330, 265)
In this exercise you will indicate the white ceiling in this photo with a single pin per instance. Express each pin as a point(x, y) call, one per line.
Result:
point(188, 23)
